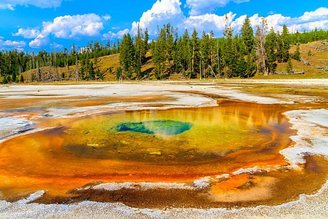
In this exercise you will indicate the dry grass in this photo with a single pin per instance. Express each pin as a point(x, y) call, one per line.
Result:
point(319, 58)
point(107, 65)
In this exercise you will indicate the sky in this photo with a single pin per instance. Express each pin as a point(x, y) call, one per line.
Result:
point(34, 25)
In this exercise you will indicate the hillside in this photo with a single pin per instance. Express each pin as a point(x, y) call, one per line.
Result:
point(107, 65)
point(314, 64)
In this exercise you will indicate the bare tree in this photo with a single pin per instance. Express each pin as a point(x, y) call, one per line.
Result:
point(262, 57)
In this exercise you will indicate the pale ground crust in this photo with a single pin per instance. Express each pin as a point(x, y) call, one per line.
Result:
point(308, 123)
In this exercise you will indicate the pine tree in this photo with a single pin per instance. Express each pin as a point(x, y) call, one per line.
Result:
point(140, 52)
point(127, 56)
point(186, 54)
point(285, 44)
point(84, 69)
point(159, 53)
point(250, 68)
point(205, 54)
point(195, 54)
point(14, 77)
point(213, 48)
point(170, 43)
point(118, 73)
point(229, 52)
point(289, 67)
point(297, 53)
point(146, 45)
point(220, 60)
point(239, 67)
point(247, 35)
point(176, 53)
point(248, 49)
point(91, 71)
point(271, 47)
point(279, 53)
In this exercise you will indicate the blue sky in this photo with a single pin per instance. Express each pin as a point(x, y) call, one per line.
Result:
point(47, 24)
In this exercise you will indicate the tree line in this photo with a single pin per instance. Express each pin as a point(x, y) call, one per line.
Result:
point(14, 63)
point(191, 55)
point(240, 55)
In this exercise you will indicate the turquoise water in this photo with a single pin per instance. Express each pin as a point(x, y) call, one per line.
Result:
point(164, 127)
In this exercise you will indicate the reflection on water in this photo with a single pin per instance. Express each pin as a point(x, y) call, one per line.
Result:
point(138, 146)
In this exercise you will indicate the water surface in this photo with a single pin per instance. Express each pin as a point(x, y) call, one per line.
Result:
point(178, 145)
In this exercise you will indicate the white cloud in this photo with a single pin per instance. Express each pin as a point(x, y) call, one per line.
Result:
point(309, 26)
point(162, 12)
point(208, 22)
point(118, 35)
point(38, 42)
point(11, 4)
point(317, 15)
point(169, 11)
point(11, 44)
point(72, 26)
point(308, 21)
point(199, 7)
point(6, 6)
point(56, 46)
point(69, 26)
point(27, 33)
point(277, 21)
point(106, 17)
